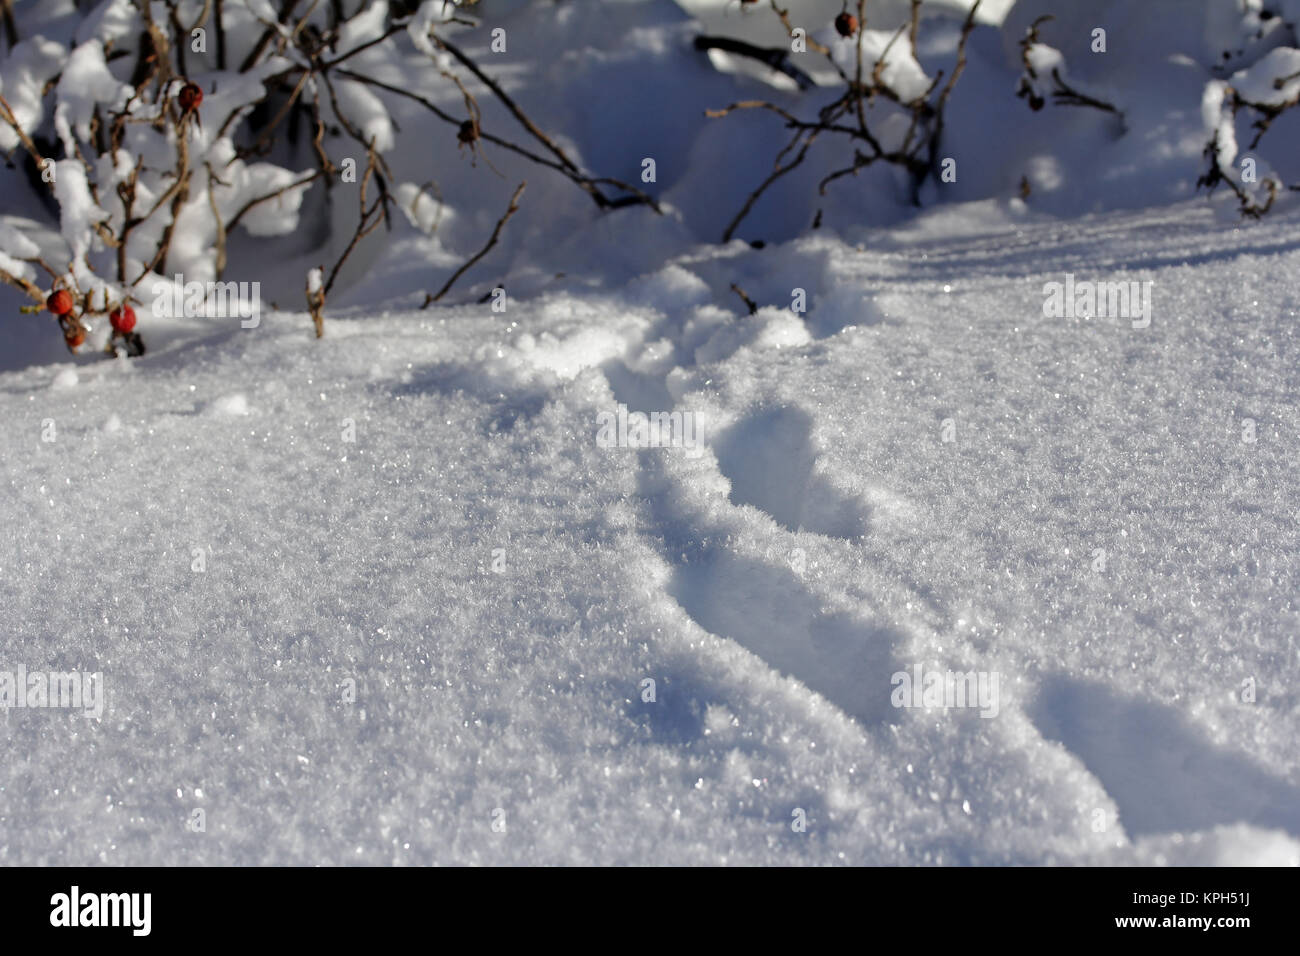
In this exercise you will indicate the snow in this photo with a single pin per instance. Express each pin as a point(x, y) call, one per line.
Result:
point(901, 73)
point(15, 243)
point(25, 71)
point(84, 84)
point(235, 404)
point(392, 596)
point(15, 247)
point(249, 181)
point(66, 378)
point(109, 20)
point(1272, 81)
point(827, 539)
point(77, 207)
point(367, 113)
point(423, 211)
point(366, 26)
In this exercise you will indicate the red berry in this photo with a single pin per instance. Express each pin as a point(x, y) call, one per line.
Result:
point(75, 336)
point(60, 302)
point(190, 97)
point(846, 24)
point(122, 319)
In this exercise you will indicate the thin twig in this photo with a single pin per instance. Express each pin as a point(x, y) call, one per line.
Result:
point(492, 241)
point(749, 303)
point(364, 226)
point(775, 175)
point(252, 203)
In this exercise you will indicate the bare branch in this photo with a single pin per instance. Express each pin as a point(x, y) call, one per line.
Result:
point(492, 241)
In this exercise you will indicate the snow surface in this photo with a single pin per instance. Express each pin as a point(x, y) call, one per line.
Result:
point(387, 597)
point(828, 538)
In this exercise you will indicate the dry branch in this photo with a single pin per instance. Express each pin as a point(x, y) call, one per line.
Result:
point(847, 115)
point(492, 241)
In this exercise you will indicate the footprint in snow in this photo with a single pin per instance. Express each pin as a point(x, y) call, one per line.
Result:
point(770, 459)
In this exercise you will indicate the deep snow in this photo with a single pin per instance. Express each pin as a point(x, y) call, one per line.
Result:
point(771, 647)
point(388, 597)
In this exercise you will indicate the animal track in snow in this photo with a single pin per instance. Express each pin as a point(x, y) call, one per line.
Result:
point(768, 610)
point(770, 460)
point(1157, 766)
